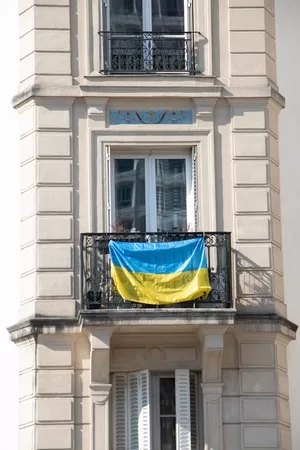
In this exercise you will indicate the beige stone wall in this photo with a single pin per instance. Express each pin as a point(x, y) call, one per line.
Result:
point(45, 47)
point(59, 41)
point(55, 377)
point(252, 42)
point(257, 214)
point(65, 376)
point(54, 409)
point(63, 190)
point(47, 208)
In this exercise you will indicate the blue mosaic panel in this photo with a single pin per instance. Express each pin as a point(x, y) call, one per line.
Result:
point(151, 117)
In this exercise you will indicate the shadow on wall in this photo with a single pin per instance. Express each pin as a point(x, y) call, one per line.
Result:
point(254, 286)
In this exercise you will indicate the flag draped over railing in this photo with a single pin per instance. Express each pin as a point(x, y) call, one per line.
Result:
point(160, 273)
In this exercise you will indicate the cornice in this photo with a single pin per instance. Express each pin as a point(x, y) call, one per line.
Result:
point(43, 325)
point(154, 87)
point(112, 319)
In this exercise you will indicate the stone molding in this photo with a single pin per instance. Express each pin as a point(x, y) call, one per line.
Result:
point(270, 323)
point(100, 393)
point(196, 87)
point(212, 340)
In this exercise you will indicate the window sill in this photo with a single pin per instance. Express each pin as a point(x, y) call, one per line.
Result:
point(169, 85)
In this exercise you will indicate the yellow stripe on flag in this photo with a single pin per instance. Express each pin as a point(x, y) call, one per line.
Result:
point(161, 289)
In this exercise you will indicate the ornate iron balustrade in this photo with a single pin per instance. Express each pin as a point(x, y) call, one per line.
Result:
point(98, 291)
point(145, 52)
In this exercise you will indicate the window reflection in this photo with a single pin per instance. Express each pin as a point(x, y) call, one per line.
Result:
point(168, 16)
point(167, 414)
point(171, 194)
point(126, 16)
point(130, 210)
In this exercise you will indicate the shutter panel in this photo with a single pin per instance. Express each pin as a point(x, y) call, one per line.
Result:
point(108, 188)
point(193, 411)
point(195, 185)
point(133, 411)
point(183, 419)
point(120, 410)
point(144, 419)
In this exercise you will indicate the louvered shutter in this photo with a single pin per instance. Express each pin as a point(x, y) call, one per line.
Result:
point(183, 419)
point(120, 411)
point(133, 410)
point(193, 410)
point(195, 182)
point(108, 188)
point(144, 417)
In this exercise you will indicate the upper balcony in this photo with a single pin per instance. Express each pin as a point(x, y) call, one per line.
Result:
point(149, 53)
point(98, 291)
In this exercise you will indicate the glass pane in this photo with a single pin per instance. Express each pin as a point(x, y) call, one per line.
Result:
point(126, 16)
point(167, 396)
point(130, 210)
point(168, 433)
point(168, 16)
point(171, 194)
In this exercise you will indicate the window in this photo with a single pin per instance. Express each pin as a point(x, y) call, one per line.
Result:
point(148, 35)
point(152, 193)
point(154, 411)
point(158, 16)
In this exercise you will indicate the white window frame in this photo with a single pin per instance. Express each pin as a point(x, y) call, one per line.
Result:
point(147, 434)
point(150, 194)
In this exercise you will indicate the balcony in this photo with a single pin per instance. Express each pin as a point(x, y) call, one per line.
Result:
point(137, 53)
point(97, 288)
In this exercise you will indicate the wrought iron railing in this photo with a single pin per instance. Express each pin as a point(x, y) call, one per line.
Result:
point(145, 52)
point(97, 288)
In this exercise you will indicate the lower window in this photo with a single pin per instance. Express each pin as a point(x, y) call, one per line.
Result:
point(153, 411)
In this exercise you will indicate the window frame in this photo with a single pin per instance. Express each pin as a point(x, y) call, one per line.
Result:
point(152, 436)
point(150, 195)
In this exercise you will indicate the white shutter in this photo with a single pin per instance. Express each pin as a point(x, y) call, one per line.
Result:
point(193, 410)
point(120, 411)
point(144, 418)
point(183, 419)
point(108, 188)
point(195, 174)
point(133, 411)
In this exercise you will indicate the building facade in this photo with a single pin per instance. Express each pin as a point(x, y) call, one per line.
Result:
point(153, 120)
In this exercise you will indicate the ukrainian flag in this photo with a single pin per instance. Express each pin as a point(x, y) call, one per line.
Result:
point(160, 273)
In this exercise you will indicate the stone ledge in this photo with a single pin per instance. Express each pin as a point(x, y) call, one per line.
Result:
point(267, 323)
point(170, 318)
point(43, 325)
point(160, 316)
point(141, 87)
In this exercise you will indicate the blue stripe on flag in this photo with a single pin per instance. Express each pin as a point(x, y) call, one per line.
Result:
point(159, 258)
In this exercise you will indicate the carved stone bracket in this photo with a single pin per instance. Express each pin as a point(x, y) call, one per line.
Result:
point(97, 110)
point(204, 111)
point(100, 393)
point(212, 352)
point(100, 350)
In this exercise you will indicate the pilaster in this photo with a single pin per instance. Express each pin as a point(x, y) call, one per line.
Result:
point(99, 387)
point(45, 42)
point(47, 212)
point(212, 353)
point(257, 211)
point(264, 401)
point(252, 42)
